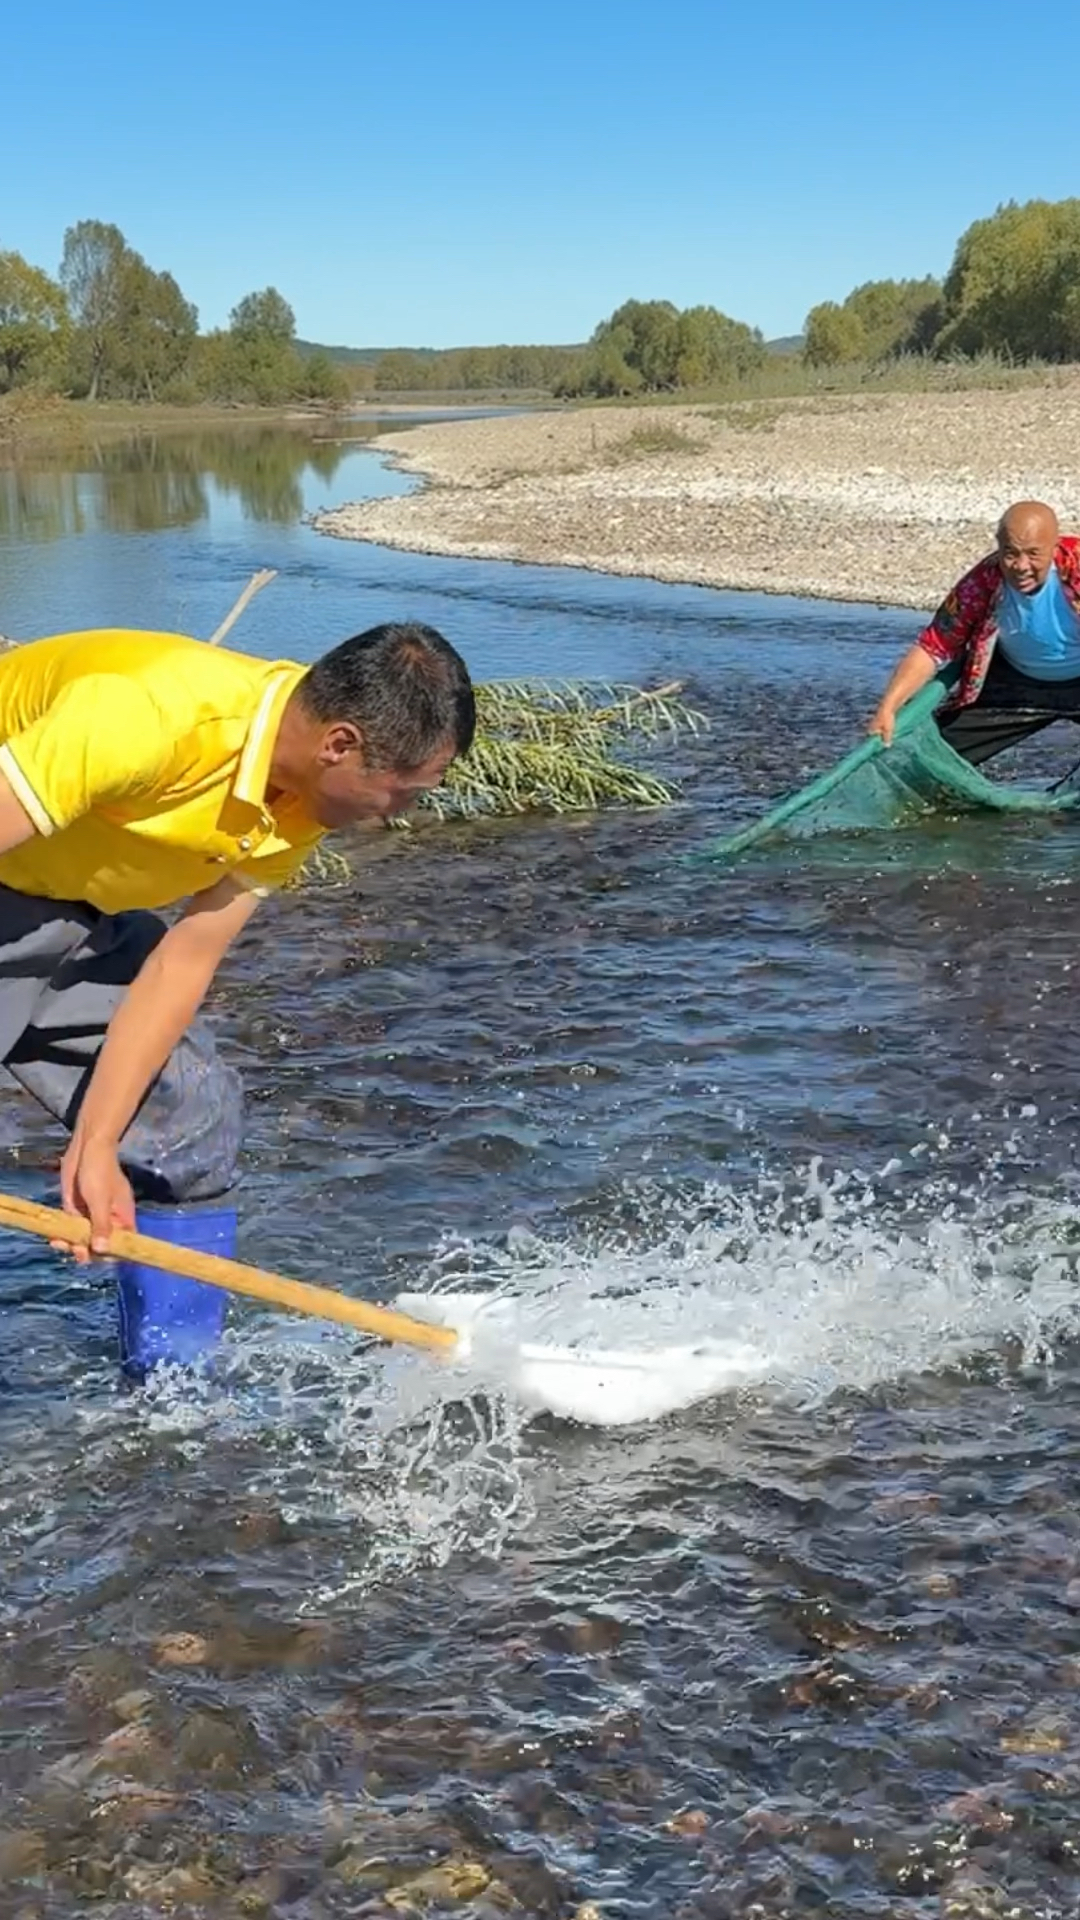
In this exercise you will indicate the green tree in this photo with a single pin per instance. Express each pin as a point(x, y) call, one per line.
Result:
point(877, 321)
point(897, 316)
point(324, 379)
point(650, 346)
point(133, 331)
point(403, 371)
point(264, 316)
point(833, 334)
point(1014, 284)
point(709, 347)
point(33, 322)
point(156, 332)
point(473, 369)
point(571, 377)
point(90, 274)
point(258, 359)
point(645, 333)
point(697, 347)
point(479, 369)
point(209, 364)
point(608, 370)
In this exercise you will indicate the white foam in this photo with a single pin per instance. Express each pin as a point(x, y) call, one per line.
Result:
point(822, 1285)
point(810, 1288)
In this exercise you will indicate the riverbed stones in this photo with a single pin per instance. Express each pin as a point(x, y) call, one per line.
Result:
point(870, 497)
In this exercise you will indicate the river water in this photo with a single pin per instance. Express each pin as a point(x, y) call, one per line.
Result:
point(327, 1633)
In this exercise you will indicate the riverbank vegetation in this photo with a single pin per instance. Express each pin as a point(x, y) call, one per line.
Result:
point(110, 328)
point(1012, 291)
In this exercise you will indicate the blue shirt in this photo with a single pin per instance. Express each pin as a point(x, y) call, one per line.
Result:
point(1039, 633)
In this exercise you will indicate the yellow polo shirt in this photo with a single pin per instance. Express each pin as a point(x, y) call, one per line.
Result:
point(142, 760)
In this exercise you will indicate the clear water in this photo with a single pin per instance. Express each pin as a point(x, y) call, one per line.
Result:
point(290, 1636)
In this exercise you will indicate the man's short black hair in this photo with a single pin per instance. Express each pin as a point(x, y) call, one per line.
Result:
point(403, 686)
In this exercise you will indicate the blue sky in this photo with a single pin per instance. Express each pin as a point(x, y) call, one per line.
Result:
point(465, 172)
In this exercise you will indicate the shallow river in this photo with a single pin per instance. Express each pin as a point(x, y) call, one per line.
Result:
point(328, 1633)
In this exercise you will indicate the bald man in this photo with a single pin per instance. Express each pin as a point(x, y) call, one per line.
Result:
point(1013, 623)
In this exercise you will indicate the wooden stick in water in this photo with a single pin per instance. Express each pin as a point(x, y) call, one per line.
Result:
point(254, 586)
point(322, 1303)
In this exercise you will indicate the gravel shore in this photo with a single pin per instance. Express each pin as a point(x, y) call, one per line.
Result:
point(884, 498)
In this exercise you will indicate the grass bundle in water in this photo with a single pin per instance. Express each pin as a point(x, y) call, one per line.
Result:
point(547, 748)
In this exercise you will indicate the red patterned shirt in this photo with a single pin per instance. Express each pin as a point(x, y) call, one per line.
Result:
point(965, 626)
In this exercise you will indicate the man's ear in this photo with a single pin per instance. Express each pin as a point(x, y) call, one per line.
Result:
point(339, 740)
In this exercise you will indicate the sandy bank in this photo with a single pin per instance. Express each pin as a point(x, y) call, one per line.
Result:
point(884, 497)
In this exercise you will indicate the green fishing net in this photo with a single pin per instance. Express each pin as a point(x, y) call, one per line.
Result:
point(876, 786)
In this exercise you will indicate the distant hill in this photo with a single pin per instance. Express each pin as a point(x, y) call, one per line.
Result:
point(367, 356)
point(790, 343)
point(351, 356)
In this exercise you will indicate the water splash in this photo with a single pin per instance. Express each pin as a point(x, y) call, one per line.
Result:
point(832, 1282)
point(388, 1461)
point(406, 1464)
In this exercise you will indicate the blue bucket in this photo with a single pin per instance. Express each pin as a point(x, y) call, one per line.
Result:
point(166, 1320)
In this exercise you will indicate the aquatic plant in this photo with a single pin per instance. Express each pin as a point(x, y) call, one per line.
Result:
point(546, 747)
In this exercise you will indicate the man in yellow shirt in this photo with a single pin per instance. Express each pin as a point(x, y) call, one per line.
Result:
point(139, 771)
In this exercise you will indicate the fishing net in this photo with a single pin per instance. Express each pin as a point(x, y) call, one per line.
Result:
point(877, 786)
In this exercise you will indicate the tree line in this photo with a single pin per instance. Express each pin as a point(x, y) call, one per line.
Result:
point(1013, 290)
point(110, 326)
point(646, 346)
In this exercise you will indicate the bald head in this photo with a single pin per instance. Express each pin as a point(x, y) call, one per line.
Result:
point(1027, 535)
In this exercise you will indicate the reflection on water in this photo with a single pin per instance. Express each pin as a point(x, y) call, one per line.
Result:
point(144, 482)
